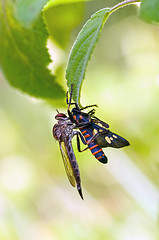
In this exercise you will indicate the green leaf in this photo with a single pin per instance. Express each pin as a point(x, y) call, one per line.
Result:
point(61, 17)
point(82, 50)
point(27, 11)
point(52, 3)
point(23, 54)
point(149, 10)
point(84, 46)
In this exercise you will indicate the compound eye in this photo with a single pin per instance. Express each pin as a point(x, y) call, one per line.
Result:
point(60, 115)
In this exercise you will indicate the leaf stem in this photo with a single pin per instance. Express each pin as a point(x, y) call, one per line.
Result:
point(123, 4)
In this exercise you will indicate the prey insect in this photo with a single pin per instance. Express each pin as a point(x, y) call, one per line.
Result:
point(96, 132)
point(63, 133)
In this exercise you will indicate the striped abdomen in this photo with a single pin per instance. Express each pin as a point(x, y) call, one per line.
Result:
point(95, 148)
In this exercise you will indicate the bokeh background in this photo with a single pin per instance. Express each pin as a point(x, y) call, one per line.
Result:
point(122, 197)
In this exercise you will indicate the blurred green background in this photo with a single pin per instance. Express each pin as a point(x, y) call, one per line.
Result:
point(122, 197)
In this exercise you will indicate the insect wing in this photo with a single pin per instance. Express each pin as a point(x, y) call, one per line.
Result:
point(105, 137)
point(110, 139)
point(99, 124)
point(116, 141)
point(67, 164)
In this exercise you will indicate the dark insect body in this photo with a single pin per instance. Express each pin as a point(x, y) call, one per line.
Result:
point(63, 133)
point(95, 131)
point(94, 148)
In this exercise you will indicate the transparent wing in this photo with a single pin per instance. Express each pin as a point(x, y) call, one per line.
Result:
point(67, 164)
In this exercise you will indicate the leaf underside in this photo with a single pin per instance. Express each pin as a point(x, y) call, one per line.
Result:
point(88, 37)
point(82, 50)
point(23, 54)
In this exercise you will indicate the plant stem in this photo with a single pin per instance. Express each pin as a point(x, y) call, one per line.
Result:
point(123, 4)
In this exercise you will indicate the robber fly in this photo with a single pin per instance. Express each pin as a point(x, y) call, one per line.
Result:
point(63, 132)
point(96, 132)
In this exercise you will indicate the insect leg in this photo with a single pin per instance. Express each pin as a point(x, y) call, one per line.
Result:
point(92, 112)
point(93, 138)
point(94, 105)
point(78, 144)
point(69, 102)
point(79, 134)
point(67, 97)
point(70, 116)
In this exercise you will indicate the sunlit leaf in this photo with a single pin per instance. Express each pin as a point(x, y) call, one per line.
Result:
point(61, 18)
point(23, 53)
point(27, 11)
